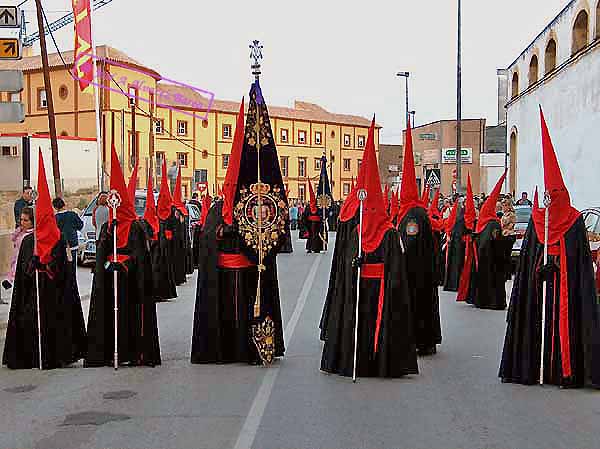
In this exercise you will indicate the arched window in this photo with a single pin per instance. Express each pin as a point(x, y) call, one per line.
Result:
point(513, 161)
point(515, 85)
point(580, 32)
point(533, 70)
point(550, 58)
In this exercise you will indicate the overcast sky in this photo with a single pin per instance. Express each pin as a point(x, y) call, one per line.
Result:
point(342, 55)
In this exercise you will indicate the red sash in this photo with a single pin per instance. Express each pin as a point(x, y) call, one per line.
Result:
point(376, 271)
point(233, 261)
point(314, 218)
point(465, 277)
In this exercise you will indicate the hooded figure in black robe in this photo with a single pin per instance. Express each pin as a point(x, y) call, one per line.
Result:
point(63, 340)
point(572, 313)
point(198, 228)
point(423, 277)
point(313, 223)
point(488, 280)
point(184, 265)
point(455, 249)
point(138, 342)
point(286, 246)
point(230, 325)
point(386, 346)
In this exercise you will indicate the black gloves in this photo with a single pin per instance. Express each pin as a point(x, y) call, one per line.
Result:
point(358, 261)
point(548, 271)
point(6, 284)
point(111, 267)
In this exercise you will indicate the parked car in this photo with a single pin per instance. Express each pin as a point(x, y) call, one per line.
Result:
point(87, 251)
point(523, 215)
point(592, 224)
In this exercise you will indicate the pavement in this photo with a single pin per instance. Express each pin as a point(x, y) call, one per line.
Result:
point(457, 400)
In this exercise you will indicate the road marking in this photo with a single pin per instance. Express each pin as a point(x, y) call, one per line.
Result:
point(254, 418)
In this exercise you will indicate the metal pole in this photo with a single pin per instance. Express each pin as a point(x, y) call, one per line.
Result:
point(114, 202)
point(99, 136)
point(50, 103)
point(458, 109)
point(546, 218)
point(362, 195)
point(407, 111)
point(37, 288)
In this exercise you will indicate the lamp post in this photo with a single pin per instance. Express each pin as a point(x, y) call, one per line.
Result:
point(413, 113)
point(406, 76)
point(458, 109)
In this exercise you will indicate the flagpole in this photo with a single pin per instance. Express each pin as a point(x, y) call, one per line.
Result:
point(99, 161)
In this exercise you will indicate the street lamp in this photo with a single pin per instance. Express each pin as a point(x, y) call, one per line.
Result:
point(405, 75)
point(458, 109)
point(413, 113)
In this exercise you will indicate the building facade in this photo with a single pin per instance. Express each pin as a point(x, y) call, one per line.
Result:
point(559, 70)
point(390, 165)
point(434, 146)
point(199, 140)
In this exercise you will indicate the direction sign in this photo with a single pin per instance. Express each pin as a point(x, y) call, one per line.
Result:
point(9, 17)
point(10, 49)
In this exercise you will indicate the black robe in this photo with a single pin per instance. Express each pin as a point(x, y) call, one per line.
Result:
point(163, 283)
point(396, 354)
point(488, 279)
point(423, 279)
point(521, 355)
point(167, 259)
point(138, 327)
point(179, 238)
point(187, 244)
point(314, 242)
point(63, 339)
point(455, 254)
point(223, 313)
point(286, 246)
point(196, 233)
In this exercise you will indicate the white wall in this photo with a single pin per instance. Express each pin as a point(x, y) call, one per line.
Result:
point(11, 168)
point(77, 159)
point(491, 167)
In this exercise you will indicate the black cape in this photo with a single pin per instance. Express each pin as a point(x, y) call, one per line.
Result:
point(315, 229)
point(163, 280)
point(179, 238)
point(455, 254)
point(63, 339)
point(138, 328)
point(423, 278)
point(196, 233)
point(223, 313)
point(286, 246)
point(488, 279)
point(521, 355)
point(396, 354)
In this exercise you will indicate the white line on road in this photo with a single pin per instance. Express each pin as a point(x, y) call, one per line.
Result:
point(250, 428)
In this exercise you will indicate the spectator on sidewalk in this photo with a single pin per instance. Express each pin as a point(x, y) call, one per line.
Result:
point(24, 201)
point(293, 217)
point(100, 213)
point(524, 201)
point(24, 229)
point(69, 223)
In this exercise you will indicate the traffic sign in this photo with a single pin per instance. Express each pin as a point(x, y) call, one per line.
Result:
point(9, 17)
point(11, 81)
point(12, 112)
point(433, 177)
point(10, 49)
point(202, 186)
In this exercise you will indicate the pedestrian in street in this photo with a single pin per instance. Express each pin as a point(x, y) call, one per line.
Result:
point(423, 278)
point(137, 326)
point(69, 223)
point(195, 201)
point(294, 216)
point(508, 221)
point(25, 228)
point(524, 201)
point(385, 342)
point(24, 201)
point(571, 323)
point(232, 325)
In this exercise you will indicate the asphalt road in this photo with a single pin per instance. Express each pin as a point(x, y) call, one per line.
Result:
point(456, 401)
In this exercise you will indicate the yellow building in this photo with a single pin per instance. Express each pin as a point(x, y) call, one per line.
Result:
point(181, 133)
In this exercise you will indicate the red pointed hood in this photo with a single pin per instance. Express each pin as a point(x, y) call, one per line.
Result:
point(47, 233)
point(164, 196)
point(470, 214)
point(353, 184)
point(233, 169)
point(433, 210)
point(425, 197)
point(375, 219)
point(150, 214)
point(386, 196)
point(394, 207)
point(536, 200)
point(451, 220)
point(177, 198)
point(206, 201)
point(125, 212)
point(488, 210)
point(409, 193)
point(561, 214)
point(313, 198)
point(133, 182)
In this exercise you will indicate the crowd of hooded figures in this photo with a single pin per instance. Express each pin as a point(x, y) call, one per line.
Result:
point(382, 307)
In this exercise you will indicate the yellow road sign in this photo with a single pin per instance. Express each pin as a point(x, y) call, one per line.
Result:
point(10, 49)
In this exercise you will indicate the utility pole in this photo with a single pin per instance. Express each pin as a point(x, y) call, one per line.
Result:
point(133, 157)
point(458, 110)
point(151, 144)
point(50, 103)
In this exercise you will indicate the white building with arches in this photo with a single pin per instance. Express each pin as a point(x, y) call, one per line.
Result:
point(559, 70)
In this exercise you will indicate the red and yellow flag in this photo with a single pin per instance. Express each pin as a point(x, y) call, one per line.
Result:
point(83, 66)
